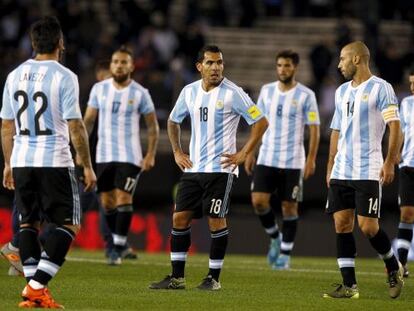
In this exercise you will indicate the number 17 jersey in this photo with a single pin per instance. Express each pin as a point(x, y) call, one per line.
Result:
point(40, 96)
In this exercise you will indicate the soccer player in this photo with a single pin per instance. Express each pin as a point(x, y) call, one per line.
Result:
point(289, 106)
point(40, 110)
point(356, 170)
point(406, 182)
point(214, 105)
point(120, 102)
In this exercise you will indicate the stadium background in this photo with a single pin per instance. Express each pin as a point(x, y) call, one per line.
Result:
point(165, 36)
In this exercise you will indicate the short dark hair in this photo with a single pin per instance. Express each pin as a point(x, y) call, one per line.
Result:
point(288, 54)
point(45, 35)
point(124, 49)
point(207, 48)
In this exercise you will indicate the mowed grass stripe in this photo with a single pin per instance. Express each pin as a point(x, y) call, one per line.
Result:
point(87, 283)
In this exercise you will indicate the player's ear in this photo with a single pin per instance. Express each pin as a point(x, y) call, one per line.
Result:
point(199, 66)
point(356, 59)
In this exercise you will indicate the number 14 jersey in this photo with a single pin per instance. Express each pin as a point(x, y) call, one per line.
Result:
point(41, 96)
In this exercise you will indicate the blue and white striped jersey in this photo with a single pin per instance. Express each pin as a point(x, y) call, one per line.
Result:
point(287, 113)
point(361, 114)
point(407, 126)
point(214, 117)
point(119, 114)
point(41, 96)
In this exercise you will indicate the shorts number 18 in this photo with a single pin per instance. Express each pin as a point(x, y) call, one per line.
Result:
point(215, 206)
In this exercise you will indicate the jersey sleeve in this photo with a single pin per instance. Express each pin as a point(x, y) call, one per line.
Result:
point(336, 120)
point(70, 98)
point(311, 111)
point(402, 115)
point(244, 106)
point(147, 105)
point(388, 103)
point(7, 112)
point(180, 110)
point(93, 98)
point(261, 100)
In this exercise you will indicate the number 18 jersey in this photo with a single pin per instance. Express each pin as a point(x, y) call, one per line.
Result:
point(41, 96)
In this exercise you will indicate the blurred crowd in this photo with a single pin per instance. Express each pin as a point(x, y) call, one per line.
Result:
point(165, 36)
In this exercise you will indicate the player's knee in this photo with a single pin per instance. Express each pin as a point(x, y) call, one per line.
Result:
point(181, 220)
point(369, 230)
point(343, 226)
point(289, 209)
point(260, 204)
point(407, 215)
point(217, 223)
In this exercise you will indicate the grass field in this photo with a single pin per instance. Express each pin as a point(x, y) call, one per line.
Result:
point(87, 283)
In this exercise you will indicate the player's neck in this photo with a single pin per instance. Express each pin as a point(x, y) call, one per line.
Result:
point(361, 77)
point(286, 86)
point(121, 85)
point(50, 56)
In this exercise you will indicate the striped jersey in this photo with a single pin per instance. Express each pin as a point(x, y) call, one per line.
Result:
point(361, 114)
point(214, 117)
point(41, 96)
point(119, 114)
point(287, 113)
point(407, 125)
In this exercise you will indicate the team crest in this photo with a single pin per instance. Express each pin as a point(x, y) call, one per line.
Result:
point(130, 101)
point(294, 102)
point(365, 97)
point(219, 104)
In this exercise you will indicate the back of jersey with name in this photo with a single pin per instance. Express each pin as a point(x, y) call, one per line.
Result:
point(40, 96)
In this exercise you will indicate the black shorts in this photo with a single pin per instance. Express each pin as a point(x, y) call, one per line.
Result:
point(362, 195)
point(287, 182)
point(50, 192)
point(406, 186)
point(205, 193)
point(116, 175)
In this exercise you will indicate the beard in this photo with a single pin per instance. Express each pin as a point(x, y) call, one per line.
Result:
point(349, 75)
point(286, 80)
point(120, 78)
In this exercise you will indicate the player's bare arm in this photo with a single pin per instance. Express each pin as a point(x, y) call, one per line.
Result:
point(250, 161)
point(8, 130)
point(256, 133)
point(174, 133)
point(310, 164)
point(333, 149)
point(90, 118)
point(394, 143)
point(79, 138)
point(153, 135)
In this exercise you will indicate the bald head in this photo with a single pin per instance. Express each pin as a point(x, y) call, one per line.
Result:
point(357, 48)
point(354, 60)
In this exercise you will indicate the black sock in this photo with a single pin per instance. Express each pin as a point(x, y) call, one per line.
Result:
point(382, 245)
point(267, 218)
point(110, 216)
point(54, 253)
point(405, 236)
point(218, 248)
point(16, 227)
point(288, 234)
point(346, 251)
point(180, 243)
point(29, 249)
point(123, 222)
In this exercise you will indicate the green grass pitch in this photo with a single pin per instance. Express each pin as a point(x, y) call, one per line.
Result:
point(87, 283)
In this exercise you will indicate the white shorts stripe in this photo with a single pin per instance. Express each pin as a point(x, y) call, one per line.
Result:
point(76, 218)
point(224, 207)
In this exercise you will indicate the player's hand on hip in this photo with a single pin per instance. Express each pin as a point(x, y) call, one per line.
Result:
point(8, 181)
point(233, 159)
point(249, 164)
point(387, 173)
point(183, 160)
point(148, 162)
point(89, 179)
point(309, 169)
